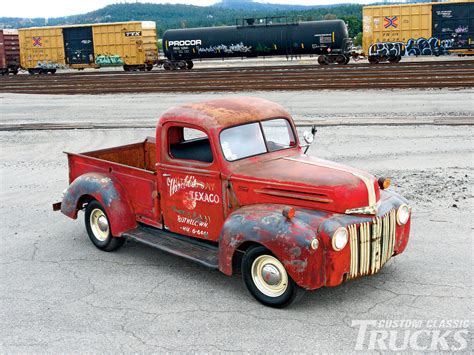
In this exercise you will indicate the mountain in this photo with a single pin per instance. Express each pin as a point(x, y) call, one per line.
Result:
point(258, 6)
point(179, 16)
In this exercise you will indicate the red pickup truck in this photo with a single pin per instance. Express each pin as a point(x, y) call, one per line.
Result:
point(227, 184)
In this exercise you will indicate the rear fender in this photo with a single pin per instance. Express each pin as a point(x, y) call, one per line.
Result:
point(109, 192)
point(289, 240)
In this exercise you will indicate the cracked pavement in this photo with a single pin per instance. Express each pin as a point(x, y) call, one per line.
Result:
point(58, 293)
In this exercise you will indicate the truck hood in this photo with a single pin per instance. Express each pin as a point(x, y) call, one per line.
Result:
point(307, 182)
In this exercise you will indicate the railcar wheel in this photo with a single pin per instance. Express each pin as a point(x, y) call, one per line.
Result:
point(341, 59)
point(149, 67)
point(189, 64)
point(348, 59)
point(322, 60)
point(267, 280)
point(373, 60)
point(98, 228)
point(393, 59)
point(167, 66)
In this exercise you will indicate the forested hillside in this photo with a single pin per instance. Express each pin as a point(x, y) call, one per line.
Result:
point(179, 16)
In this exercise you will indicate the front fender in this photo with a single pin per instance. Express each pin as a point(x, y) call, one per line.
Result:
point(289, 240)
point(109, 192)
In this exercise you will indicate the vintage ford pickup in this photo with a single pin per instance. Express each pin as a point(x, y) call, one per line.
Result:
point(227, 184)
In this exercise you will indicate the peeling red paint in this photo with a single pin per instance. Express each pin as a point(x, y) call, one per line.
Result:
point(234, 203)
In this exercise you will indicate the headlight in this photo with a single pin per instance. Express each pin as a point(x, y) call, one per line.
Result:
point(403, 214)
point(339, 239)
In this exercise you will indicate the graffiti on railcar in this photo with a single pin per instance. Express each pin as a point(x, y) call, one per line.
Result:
point(413, 47)
point(222, 48)
point(107, 59)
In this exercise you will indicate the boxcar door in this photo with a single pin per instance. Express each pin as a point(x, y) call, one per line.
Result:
point(78, 45)
point(190, 186)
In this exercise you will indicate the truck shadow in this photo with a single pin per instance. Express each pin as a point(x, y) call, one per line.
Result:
point(354, 296)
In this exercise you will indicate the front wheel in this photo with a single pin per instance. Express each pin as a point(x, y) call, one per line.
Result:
point(98, 228)
point(267, 280)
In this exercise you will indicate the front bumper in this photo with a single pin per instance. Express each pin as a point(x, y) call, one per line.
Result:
point(373, 241)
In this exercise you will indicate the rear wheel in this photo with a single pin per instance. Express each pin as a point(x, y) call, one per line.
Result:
point(267, 280)
point(98, 228)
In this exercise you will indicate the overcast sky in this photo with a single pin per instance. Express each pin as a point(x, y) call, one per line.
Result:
point(55, 8)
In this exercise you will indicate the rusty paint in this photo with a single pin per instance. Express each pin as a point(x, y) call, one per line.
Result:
point(108, 192)
point(234, 203)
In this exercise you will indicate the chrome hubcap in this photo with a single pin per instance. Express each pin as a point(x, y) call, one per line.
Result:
point(269, 275)
point(99, 224)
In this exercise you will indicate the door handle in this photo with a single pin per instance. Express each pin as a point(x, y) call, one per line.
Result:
point(165, 174)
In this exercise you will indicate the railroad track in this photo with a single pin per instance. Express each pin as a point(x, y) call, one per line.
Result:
point(450, 74)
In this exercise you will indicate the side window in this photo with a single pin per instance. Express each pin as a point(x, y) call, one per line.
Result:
point(189, 144)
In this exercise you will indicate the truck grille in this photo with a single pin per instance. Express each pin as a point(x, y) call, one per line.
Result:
point(371, 244)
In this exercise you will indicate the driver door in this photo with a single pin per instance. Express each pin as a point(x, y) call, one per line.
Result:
point(190, 186)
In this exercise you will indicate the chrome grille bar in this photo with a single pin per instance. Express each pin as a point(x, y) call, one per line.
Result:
point(372, 244)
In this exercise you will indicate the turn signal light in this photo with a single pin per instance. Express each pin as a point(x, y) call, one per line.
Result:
point(384, 183)
point(289, 212)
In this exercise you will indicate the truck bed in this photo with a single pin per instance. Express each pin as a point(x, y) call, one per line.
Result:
point(140, 155)
point(133, 165)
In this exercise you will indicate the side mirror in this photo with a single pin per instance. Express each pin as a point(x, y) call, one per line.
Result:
point(309, 137)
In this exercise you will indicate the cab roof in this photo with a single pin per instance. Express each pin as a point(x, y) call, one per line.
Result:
point(226, 112)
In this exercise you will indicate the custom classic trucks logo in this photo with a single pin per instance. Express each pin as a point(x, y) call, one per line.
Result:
point(390, 22)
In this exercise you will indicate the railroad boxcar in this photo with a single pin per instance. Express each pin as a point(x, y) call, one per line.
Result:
point(253, 38)
point(132, 45)
point(391, 32)
point(9, 52)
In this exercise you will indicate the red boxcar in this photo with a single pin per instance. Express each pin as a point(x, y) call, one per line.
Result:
point(9, 52)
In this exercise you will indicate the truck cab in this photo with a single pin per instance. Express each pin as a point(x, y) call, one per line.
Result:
point(226, 183)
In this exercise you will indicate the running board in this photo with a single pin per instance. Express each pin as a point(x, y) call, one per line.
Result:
point(186, 247)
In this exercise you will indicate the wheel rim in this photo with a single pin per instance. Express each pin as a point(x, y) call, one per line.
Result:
point(99, 224)
point(269, 275)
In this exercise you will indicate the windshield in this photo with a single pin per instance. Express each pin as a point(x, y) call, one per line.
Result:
point(256, 138)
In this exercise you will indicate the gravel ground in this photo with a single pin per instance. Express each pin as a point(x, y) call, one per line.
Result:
point(60, 294)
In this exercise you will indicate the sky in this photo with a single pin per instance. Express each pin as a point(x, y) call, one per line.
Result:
point(55, 8)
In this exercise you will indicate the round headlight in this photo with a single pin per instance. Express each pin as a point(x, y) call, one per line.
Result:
point(403, 214)
point(339, 238)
